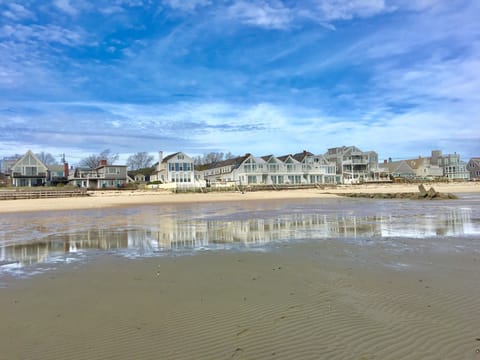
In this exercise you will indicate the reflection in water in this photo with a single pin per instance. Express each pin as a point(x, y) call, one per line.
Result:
point(176, 234)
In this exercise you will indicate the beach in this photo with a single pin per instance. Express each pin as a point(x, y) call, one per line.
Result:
point(301, 302)
point(102, 199)
point(364, 279)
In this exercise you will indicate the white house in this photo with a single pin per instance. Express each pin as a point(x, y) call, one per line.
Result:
point(29, 170)
point(301, 168)
point(176, 169)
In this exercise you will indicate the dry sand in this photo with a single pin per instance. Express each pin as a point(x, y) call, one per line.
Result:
point(103, 199)
point(327, 300)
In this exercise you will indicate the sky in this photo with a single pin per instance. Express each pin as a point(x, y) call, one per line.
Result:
point(398, 77)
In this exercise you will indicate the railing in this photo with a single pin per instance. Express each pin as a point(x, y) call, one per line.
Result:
point(40, 194)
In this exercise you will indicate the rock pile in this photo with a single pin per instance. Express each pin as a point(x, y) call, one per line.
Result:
point(423, 194)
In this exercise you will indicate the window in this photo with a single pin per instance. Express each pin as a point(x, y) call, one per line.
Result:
point(30, 170)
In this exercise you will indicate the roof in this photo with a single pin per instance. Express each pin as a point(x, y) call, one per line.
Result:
point(56, 168)
point(166, 158)
point(234, 162)
point(29, 153)
point(302, 155)
point(398, 167)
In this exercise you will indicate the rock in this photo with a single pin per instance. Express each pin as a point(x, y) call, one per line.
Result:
point(431, 194)
point(423, 191)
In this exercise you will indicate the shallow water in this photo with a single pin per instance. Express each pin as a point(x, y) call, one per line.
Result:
point(34, 242)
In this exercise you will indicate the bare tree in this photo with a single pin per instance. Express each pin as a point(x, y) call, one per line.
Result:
point(212, 157)
point(93, 161)
point(229, 156)
point(139, 160)
point(46, 158)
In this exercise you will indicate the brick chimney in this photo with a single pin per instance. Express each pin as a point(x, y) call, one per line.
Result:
point(65, 169)
point(103, 162)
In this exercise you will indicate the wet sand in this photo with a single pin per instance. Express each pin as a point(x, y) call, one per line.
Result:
point(324, 300)
point(105, 199)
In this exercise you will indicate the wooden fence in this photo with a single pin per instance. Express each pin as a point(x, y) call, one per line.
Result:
point(40, 194)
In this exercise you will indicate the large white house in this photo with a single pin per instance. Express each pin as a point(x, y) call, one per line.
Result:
point(353, 164)
point(29, 170)
point(301, 168)
point(176, 168)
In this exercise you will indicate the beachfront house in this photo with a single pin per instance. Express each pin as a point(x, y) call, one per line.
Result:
point(429, 167)
point(424, 168)
point(397, 169)
point(176, 171)
point(103, 177)
point(473, 167)
point(29, 171)
point(453, 167)
point(302, 168)
point(353, 164)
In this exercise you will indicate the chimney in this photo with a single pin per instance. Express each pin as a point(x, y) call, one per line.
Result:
point(385, 161)
point(103, 162)
point(65, 170)
point(160, 157)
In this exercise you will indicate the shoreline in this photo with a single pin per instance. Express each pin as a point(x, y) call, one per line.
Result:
point(120, 198)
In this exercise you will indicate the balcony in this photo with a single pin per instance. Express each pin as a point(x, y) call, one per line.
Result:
point(355, 161)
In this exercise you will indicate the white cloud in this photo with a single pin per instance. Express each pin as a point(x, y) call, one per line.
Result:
point(18, 12)
point(186, 5)
point(273, 15)
point(344, 10)
point(43, 33)
point(65, 6)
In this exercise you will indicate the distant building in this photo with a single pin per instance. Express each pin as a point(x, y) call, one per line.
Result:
point(453, 167)
point(175, 168)
point(302, 168)
point(397, 169)
point(473, 167)
point(29, 171)
point(430, 167)
point(103, 177)
point(425, 168)
point(353, 164)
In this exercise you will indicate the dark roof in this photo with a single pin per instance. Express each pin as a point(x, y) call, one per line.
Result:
point(234, 162)
point(300, 156)
point(170, 156)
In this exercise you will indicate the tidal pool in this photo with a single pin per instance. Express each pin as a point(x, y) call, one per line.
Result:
point(33, 242)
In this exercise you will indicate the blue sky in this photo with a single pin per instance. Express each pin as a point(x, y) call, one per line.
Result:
point(260, 76)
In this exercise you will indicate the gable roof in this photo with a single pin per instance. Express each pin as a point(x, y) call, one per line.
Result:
point(302, 155)
point(166, 158)
point(31, 155)
point(474, 162)
point(398, 167)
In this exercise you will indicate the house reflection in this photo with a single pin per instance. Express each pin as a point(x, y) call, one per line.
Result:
point(178, 234)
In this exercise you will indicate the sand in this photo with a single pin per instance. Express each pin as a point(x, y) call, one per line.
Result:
point(104, 199)
point(326, 299)
point(302, 301)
